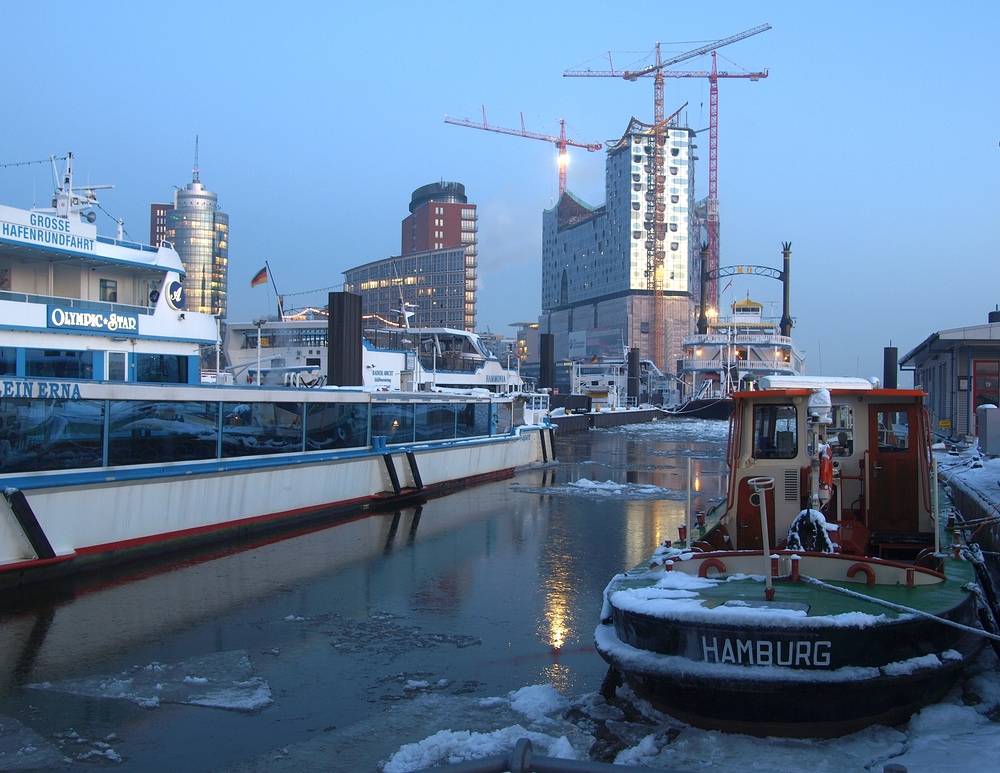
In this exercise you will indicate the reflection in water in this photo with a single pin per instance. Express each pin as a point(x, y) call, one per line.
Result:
point(478, 593)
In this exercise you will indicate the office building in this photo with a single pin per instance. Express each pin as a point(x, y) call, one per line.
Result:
point(199, 231)
point(441, 217)
point(435, 273)
point(430, 285)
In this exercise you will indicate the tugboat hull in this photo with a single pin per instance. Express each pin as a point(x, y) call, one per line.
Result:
point(763, 701)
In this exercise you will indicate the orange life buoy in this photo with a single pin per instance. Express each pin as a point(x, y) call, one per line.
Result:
point(711, 563)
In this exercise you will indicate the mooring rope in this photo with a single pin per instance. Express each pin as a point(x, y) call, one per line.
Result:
point(901, 608)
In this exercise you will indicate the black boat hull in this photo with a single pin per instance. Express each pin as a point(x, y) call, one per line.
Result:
point(846, 679)
point(720, 408)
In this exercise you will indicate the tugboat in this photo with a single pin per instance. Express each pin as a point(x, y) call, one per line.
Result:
point(824, 594)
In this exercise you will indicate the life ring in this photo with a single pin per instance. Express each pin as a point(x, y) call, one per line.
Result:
point(711, 563)
point(868, 571)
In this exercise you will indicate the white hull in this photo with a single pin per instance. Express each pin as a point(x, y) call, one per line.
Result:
point(165, 506)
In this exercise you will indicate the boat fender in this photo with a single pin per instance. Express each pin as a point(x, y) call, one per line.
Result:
point(711, 563)
point(825, 467)
point(867, 570)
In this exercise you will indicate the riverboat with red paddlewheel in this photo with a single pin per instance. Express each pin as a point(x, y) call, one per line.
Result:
point(825, 593)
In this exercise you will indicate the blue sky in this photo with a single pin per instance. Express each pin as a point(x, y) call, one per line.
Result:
point(872, 146)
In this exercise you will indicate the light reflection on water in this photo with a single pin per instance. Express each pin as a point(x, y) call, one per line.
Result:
point(484, 591)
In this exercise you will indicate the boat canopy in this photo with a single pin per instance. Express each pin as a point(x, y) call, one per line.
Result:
point(816, 382)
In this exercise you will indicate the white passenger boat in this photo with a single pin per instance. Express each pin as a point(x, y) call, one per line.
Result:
point(111, 447)
point(295, 350)
point(732, 354)
point(605, 382)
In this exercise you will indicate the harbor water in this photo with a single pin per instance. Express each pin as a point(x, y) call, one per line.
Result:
point(334, 648)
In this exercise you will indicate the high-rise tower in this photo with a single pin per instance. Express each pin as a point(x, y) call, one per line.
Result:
point(199, 231)
point(441, 218)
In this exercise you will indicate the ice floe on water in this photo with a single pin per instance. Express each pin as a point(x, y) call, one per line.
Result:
point(22, 749)
point(222, 680)
point(608, 489)
point(674, 429)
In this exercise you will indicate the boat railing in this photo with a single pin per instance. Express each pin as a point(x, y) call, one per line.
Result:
point(768, 366)
point(129, 244)
point(754, 339)
point(75, 303)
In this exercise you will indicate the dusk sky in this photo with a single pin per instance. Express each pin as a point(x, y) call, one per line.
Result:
point(873, 146)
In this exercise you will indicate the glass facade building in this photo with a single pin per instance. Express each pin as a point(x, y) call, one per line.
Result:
point(442, 218)
point(432, 284)
point(596, 260)
point(199, 231)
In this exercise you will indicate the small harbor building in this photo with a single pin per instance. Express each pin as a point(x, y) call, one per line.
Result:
point(959, 369)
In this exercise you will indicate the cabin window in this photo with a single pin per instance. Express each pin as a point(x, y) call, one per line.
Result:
point(161, 368)
point(775, 432)
point(56, 363)
point(109, 290)
point(336, 425)
point(840, 433)
point(8, 361)
point(259, 428)
point(893, 431)
point(158, 431)
point(36, 435)
point(394, 422)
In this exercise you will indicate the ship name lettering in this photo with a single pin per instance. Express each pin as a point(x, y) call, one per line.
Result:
point(764, 652)
point(52, 390)
point(46, 236)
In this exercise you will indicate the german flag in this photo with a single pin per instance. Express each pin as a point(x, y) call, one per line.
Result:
point(260, 277)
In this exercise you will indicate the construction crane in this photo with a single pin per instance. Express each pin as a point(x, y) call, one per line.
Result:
point(560, 142)
point(655, 208)
point(712, 203)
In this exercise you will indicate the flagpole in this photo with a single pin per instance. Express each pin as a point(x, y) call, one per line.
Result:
point(270, 275)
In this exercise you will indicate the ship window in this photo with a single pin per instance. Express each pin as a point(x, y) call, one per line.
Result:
point(775, 432)
point(840, 433)
point(161, 368)
point(8, 361)
point(37, 435)
point(157, 431)
point(893, 431)
point(394, 422)
point(336, 425)
point(55, 363)
point(254, 429)
point(109, 290)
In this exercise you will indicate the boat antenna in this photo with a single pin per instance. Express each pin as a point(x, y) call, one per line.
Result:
point(69, 199)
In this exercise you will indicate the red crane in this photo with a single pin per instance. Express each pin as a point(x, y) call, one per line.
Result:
point(712, 203)
point(560, 142)
point(655, 251)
